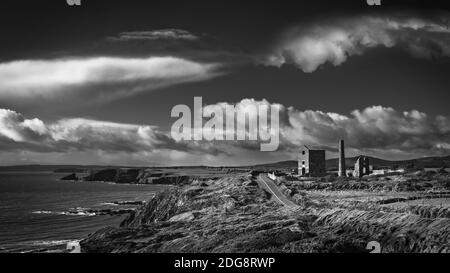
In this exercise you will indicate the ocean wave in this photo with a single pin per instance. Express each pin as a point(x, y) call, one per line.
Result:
point(108, 204)
point(126, 202)
point(46, 246)
point(39, 246)
point(52, 242)
point(78, 213)
point(68, 213)
point(86, 212)
point(42, 212)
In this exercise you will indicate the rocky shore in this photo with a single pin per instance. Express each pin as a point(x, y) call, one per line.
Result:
point(233, 214)
point(147, 175)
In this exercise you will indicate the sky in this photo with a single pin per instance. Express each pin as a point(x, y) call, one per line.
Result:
point(96, 83)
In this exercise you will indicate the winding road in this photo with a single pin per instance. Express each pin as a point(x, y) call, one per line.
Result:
point(269, 185)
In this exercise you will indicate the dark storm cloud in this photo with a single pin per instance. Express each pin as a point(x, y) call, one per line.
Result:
point(335, 40)
point(146, 60)
point(140, 59)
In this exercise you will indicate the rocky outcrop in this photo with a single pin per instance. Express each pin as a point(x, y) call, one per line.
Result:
point(70, 177)
point(172, 180)
point(107, 175)
point(114, 175)
point(232, 214)
point(196, 218)
point(138, 176)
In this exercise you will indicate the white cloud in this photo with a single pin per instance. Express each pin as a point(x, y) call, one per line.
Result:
point(376, 127)
point(16, 128)
point(100, 77)
point(333, 42)
point(376, 130)
point(17, 132)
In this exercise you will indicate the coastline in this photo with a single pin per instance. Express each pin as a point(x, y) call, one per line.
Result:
point(39, 212)
point(233, 214)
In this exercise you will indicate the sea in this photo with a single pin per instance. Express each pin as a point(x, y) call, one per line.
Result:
point(41, 213)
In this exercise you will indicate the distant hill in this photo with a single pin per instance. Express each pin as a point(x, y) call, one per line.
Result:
point(333, 163)
point(278, 165)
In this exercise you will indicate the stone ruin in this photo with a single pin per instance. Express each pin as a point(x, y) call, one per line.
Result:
point(362, 167)
point(311, 162)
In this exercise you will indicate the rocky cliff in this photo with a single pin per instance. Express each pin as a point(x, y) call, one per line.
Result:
point(233, 214)
point(114, 175)
point(136, 176)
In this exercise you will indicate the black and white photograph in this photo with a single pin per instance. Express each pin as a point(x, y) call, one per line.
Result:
point(239, 127)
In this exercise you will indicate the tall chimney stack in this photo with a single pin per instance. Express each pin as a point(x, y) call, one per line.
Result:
point(342, 169)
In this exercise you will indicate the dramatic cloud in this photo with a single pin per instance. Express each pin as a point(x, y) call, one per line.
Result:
point(15, 128)
point(101, 78)
point(77, 135)
point(17, 132)
point(377, 131)
point(308, 47)
point(172, 34)
point(373, 129)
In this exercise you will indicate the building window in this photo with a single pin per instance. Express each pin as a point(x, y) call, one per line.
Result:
point(303, 152)
point(303, 162)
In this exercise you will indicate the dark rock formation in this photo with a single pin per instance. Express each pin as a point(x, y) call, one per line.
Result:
point(71, 177)
point(115, 175)
point(172, 180)
point(137, 176)
point(107, 175)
